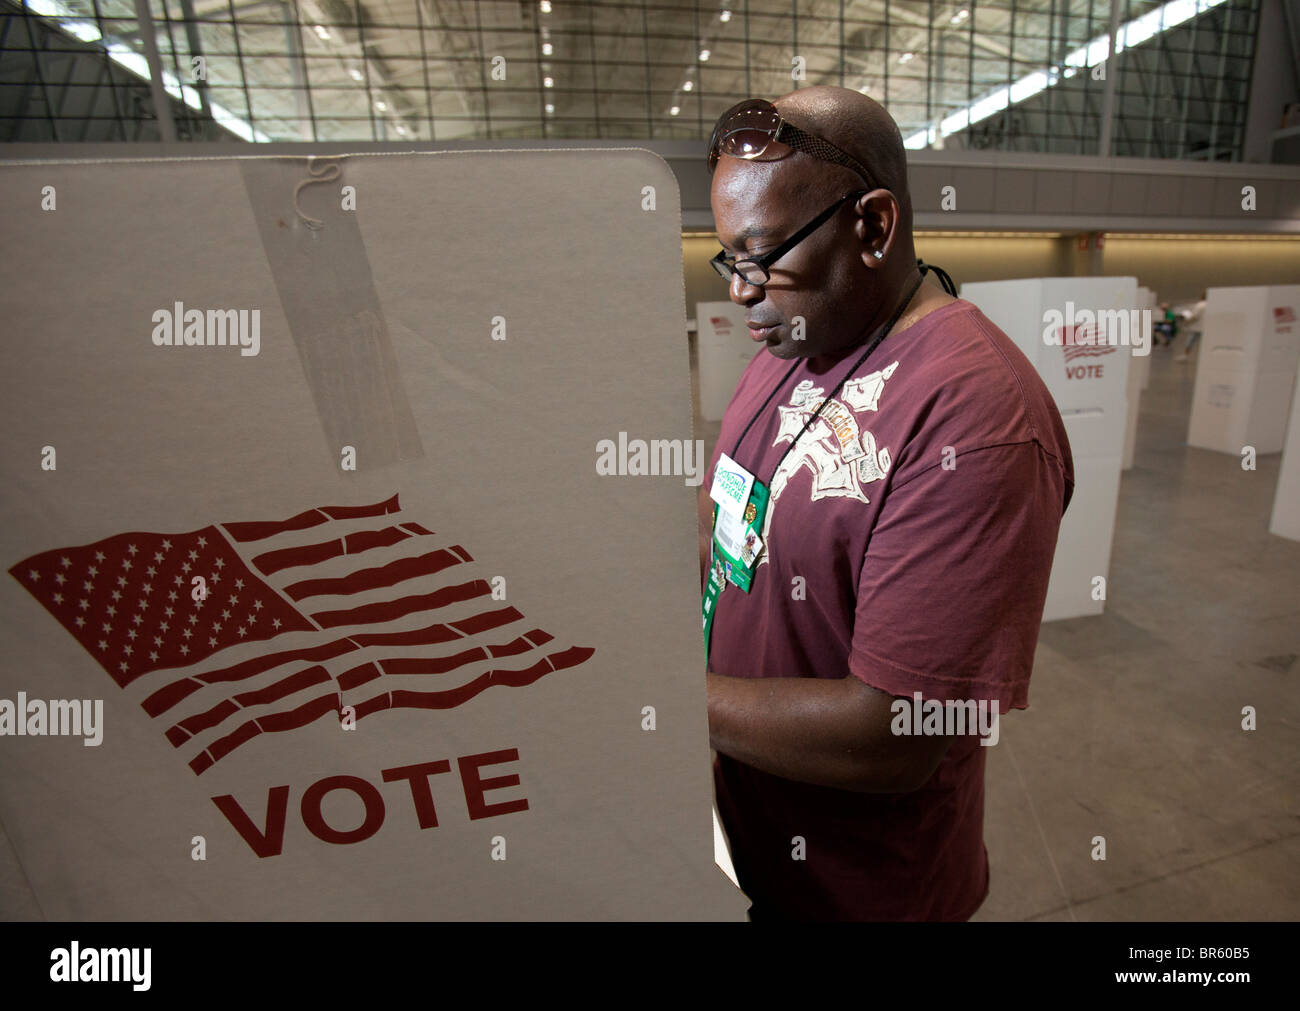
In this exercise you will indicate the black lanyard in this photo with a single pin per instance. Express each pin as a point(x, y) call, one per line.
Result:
point(816, 414)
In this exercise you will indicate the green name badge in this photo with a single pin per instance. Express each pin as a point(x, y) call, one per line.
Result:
point(736, 541)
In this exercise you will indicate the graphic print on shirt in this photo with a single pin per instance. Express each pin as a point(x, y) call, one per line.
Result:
point(840, 452)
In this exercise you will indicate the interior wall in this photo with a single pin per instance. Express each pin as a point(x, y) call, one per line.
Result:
point(1178, 270)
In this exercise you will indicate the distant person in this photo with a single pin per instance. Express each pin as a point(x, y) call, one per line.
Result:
point(1192, 318)
point(1168, 325)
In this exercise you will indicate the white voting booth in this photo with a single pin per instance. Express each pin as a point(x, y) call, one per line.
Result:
point(420, 676)
point(1088, 378)
point(1146, 299)
point(1285, 521)
point(724, 348)
point(1246, 368)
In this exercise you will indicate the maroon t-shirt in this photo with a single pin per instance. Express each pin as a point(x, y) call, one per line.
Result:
point(909, 539)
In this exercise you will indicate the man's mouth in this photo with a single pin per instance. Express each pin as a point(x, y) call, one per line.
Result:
point(761, 333)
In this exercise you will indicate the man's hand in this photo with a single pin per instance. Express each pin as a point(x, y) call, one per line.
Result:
point(830, 732)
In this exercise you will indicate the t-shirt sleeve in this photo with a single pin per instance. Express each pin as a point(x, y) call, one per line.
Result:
point(951, 590)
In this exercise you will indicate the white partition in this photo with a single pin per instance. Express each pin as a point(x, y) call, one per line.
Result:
point(1286, 503)
point(1245, 371)
point(1146, 299)
point(1088, 378)
point(725, 348)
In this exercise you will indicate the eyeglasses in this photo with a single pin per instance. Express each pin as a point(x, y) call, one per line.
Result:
point(754, 130)
point(754, 270)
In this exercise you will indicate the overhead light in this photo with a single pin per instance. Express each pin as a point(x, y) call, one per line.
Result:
point(704, 55)
point(688, 86)
point(548, 82)
point(381, 105)
point(724, 17)
point(545, 6)
point(550, 109)
point(356, 74)
point(547, 49)
point(674, 110)
point(323, 33)
point(906, 58)
point(959, 17)
point(401, 129)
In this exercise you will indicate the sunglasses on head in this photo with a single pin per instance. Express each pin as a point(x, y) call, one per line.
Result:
point(754, 130)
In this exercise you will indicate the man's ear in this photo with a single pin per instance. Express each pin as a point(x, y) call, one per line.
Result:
point(878, 216)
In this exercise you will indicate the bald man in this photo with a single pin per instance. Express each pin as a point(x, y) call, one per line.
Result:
point(879, 529)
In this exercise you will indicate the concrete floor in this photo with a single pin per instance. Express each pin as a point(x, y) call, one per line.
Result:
point(1134, 726)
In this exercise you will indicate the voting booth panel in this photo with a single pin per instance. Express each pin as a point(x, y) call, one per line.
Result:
point(724, 348)
point(1081, 334)
point(368, 521)
point(1245, 371)
point(1285, 521)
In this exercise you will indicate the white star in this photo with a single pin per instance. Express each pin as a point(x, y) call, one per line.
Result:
point(234, 601)
point(88, 586)
point(60, 578)
point(93, 571)
point(194, 619)
point(225, 613)
point(81, 622)
point(126, 650)
point(157, 640)
point(151, 571)
point(193, 554)
point(108, 629)
point(99, 556)
point(215, 578)
point(203, 542)
point(130, 633)
point(276, 623)
point(133, 549)
point(184, 649)
point(212, 642)
point(112, 611)
point(239, 584)
point(251, 618)
point(148, 588)
point(83, 604)
point(126, 563)
point(178, 581)
point(167, 545)
point(103, 644)
point(122, 666)
point(137, 619)
point(58, 598)
point(157, 556)
point(154, 656)
point(164, 626)
point(185, 567)
point(65, 562)
point(121, 580)
point(257, 604)
point(144, 605)
point(188, 632)
point(33, 575)
point(241, 631)
point(216, 626)
point(169, 611)
point(221, 563)
point(117, 594)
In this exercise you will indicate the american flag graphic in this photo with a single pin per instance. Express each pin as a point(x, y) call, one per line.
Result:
point(354, 605)
point(1086, 341)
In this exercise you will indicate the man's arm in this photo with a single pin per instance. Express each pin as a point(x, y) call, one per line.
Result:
point(830, 732)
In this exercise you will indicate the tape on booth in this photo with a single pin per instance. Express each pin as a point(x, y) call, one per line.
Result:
point(322, 274)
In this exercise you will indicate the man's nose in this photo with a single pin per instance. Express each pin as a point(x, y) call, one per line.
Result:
point(747, 291)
